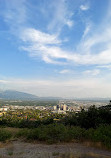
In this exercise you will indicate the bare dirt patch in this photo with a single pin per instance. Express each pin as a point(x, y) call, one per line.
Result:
point(20, 149)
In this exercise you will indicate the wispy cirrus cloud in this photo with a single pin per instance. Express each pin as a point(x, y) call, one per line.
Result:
point(61, 16)
point(43, 45)
point(36, 36)
point(87, 29)
point(51, 52)
point(37, 42)
point(92, 49)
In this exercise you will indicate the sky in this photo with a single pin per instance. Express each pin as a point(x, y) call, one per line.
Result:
point(59, 48)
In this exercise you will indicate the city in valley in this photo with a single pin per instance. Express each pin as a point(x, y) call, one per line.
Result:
point(45, 109)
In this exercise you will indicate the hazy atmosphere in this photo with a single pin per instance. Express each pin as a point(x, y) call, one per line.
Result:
point(59, 48)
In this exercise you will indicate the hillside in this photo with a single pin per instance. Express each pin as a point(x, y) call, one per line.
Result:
point(15, 95)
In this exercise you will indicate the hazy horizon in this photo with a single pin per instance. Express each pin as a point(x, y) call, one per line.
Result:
point(59, 48)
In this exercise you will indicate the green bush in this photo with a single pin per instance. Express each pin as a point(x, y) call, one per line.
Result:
point(53, 133)
point(100, 134)
point(22, 133)
point(76, 133)
point(57, 132)
point(4, 135)
point(34, 134)
point(50, 133)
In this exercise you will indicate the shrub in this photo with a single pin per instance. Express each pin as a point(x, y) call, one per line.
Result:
point(22, 133)
point(101, 134)
point(49, 133)
point(4, 135)
point(76, 133)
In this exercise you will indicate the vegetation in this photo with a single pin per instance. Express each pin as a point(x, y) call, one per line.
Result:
point(55, 133)
point(5, 134)
point(93, 125)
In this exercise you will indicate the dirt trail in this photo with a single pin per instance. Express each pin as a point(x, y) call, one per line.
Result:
point(19, 149)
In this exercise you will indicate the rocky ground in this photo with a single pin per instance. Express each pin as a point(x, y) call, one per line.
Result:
point(20, 149)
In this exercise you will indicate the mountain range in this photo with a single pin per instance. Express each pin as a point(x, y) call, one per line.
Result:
point(16, 95)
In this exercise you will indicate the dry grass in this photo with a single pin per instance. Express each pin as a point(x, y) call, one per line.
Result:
point(98, 145)
point(89, 155)
point(13, 130)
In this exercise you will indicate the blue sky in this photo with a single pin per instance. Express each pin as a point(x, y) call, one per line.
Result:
point(56, 47)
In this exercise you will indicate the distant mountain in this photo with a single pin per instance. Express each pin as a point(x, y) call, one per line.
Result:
point(15, 95)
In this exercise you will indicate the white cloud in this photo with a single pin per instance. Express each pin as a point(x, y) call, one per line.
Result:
point(61, 16)
point(47, 50)
point(84, 7)
point(43, 45)
point(34, 35)
point(69, 23)
point(4, 81)
point(104, 67)
point(87, 30)
point(95, 39)
point(93, 49)
point(65, 71)
point(103, 57)
point(48, 53)
point(94, 72)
